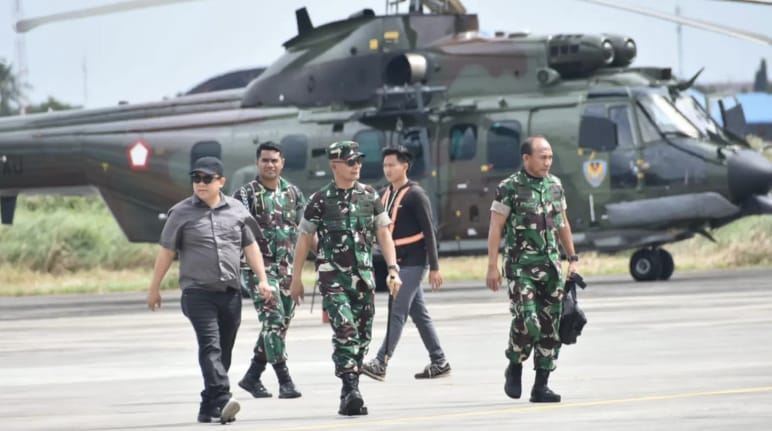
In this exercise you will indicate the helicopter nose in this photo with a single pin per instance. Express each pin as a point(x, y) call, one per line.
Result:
point(749, 173)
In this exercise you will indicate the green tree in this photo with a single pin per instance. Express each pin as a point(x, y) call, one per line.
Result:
point(51, 104)
point(10, 90)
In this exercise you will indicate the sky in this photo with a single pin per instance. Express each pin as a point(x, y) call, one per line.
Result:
point(149, 54)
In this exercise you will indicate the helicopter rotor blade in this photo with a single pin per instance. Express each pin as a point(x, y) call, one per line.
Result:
point(759, 2)
point(704, 25)
point(25, 25)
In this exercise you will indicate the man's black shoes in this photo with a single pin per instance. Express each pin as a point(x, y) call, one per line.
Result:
point(513, 385)
point(540, 392)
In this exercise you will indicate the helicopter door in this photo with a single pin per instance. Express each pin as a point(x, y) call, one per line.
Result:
point(417, 140)
point(464, 213)
point(623, 159)
point(611, 175)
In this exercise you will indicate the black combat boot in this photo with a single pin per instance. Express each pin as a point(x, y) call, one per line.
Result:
point(351, 402)
point(251, 381)
point(286, 387)
point(513, 385)
point(540, 392)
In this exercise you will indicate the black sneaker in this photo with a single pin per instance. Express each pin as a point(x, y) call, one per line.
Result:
point(255, 387)
point(434, 370)
point(374, 369)
point(229, 410)
point(206, 413)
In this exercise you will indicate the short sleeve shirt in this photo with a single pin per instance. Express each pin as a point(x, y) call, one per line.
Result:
point(346, 222)
point(208, 241)
point(533, 208)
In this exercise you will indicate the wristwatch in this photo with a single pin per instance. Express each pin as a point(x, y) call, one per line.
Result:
point(395, 267)
point(574, 258)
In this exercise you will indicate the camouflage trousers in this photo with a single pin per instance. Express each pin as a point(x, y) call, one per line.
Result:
point(275, 314)
point(536, 303)
point(348, 301)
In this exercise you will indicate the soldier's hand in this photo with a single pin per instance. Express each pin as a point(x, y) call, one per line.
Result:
point(264, 290)
point(435, 280)
point(394, 283)
point(153, 299)
point(573, 268)
point(493, 279)
point(296, 290)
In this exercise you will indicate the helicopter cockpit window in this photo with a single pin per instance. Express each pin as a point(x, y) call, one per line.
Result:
point(666, 117)
point(371, 143)
point(694, 112)
point(463, 142)
point(294, 148)
point(504, 145)
point(649, 133)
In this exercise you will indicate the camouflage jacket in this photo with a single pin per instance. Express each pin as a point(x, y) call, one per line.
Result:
point(534, 211)
point(345, 222)
point(277, 213)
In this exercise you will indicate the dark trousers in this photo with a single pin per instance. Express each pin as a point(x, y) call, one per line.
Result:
point(215, 317)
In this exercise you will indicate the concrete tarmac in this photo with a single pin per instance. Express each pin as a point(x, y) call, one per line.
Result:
point(693, 353)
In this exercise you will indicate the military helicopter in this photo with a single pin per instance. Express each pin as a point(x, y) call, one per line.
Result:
point(642, 163)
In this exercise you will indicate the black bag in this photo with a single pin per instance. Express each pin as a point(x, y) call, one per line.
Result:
point(573, 319)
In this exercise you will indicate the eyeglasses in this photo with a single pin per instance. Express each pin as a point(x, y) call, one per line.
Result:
point(351, 162)
point(207, 179)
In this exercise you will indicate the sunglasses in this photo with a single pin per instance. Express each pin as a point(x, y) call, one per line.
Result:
point(206, 179)
point(351, 162)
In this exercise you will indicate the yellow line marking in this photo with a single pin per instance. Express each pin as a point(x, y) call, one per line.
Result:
point(362, 422)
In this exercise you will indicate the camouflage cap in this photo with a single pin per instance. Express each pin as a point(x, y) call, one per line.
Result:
point(343, 150)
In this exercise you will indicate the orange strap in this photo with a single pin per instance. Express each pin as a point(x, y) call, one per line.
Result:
point(409, 239)
point(401, 194)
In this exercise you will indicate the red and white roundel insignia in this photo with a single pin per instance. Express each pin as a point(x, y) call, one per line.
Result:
point(139, 156)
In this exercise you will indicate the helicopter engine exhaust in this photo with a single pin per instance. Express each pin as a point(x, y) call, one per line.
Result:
point(625, 49)
point(406, 69)
point(579, 55)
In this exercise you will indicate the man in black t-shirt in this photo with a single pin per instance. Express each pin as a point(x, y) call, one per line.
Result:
point(408, 206)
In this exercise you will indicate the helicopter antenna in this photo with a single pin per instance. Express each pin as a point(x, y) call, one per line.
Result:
point(704, 25)
point(21, 57)
point(685, 85)
point(679, 35)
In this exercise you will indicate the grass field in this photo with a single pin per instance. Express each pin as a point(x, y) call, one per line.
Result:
point(69, 245)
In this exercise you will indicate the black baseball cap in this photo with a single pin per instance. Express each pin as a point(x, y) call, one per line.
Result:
point(208, 165)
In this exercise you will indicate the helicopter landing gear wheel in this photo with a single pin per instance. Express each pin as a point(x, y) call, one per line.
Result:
point(646, 265)
point(667, 264)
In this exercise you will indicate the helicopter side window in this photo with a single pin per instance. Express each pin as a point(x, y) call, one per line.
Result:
point(463, 142)
point(623, 158)
point(294, 148)
point(371, 143)
point(649, 133)
point(412, 141)
point(620, 116)
point(504, 145)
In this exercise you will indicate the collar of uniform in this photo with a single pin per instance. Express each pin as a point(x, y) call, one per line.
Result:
point(283, 184)
point(199, 203)
point(333, 188)
point(529, 180)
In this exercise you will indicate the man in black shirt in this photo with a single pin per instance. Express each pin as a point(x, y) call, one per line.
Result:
point(408, 206)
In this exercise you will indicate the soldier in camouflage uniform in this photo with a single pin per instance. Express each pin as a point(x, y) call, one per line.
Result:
point(347, 217)
point(530, 206)
point(277, 206)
